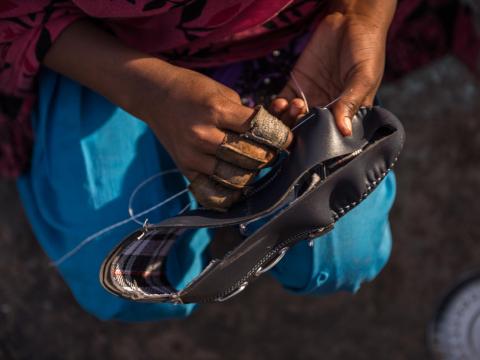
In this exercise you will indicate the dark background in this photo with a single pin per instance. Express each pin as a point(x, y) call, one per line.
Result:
point(436, 239)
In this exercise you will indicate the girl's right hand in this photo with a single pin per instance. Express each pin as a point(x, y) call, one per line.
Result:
point(192, 115)
point(192, 119)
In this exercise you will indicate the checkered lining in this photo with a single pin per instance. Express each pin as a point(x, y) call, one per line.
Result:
point(138, 268)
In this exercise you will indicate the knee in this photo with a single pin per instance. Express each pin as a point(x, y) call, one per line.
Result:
point(353, 253)
point(334, 264)
point(360, 246)
point(352, 265)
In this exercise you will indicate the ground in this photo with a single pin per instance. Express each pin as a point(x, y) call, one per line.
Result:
point(435, 228)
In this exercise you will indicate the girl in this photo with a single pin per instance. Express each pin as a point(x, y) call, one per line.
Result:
point(116, 91)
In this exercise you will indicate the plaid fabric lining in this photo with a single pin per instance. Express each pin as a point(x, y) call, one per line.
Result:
point(138, 268)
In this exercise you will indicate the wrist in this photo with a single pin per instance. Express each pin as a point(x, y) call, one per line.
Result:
point(128, 78)
point(377, 12)
point(148, 84)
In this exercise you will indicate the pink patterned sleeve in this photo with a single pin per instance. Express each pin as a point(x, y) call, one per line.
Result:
point(27, 30)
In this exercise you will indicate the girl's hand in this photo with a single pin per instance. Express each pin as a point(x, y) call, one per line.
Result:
point(193, 117)
point(289, 111)
point(344, 58)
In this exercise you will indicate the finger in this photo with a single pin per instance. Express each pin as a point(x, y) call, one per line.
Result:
point(266, 128)
point(223, 172)
point(207, 139)
point(259, 123)
point(344, 110)
point(198, 162)
point(244, 153)
point(288, 92)
point(278, 106)
point(209, 193)
point(232, 176)
point(369, 100)
point(212, 195)
point(217, 186)
point(296, 109)
point(189, 174)
point(236, 117)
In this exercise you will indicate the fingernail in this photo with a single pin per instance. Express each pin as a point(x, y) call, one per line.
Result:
point(299, 103)
point(348, 125)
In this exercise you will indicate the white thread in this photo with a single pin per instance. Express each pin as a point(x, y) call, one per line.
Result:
point(141, 185)
point(305, 119)
point(302, 94)
point(185, 209)
point(299, 89)
point(333, 101)
point(132, 217)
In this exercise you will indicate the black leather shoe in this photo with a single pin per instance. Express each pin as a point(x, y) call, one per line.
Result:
point(324, 176)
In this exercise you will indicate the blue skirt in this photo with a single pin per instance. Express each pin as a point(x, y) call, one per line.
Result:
point(89, 156)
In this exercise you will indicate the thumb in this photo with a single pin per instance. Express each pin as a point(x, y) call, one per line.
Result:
point(355, 93)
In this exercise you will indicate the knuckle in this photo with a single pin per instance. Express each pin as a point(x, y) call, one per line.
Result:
point(369, 79)
point(216, 108)
point(200, 135)
point(232, 95)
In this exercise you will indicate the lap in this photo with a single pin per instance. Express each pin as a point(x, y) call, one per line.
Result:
point(353, 252)
point(90, 155)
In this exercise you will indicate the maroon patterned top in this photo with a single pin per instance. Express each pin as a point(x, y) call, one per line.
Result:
point(198, 34)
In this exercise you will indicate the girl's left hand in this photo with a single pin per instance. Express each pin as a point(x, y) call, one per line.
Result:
point(344, 59)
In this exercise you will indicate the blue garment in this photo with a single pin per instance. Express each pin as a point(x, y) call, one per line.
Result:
point(89, 156)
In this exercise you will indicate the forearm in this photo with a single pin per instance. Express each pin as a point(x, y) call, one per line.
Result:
point(99, 61)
